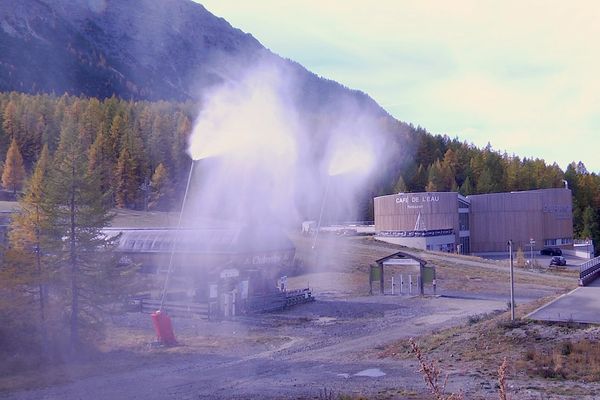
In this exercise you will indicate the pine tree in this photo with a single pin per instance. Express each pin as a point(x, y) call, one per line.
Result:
point(512, 166)
point(466, 188)
point(400, 186)
point(14, 170)
point(485, 183)
point(436, 179)
point(591, 228)
point(118, 130)
point(126, 180)
point(159, 141)
point(180, 142)
point(26, 252)
point(419, 180)
point(454, 186)
point(76, 212)
point(162, 191)
point(10, 123)
point(99, 160)
point(451, 162)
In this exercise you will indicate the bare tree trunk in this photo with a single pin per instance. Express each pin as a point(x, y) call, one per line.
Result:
point(41, 288)
point(73, 265)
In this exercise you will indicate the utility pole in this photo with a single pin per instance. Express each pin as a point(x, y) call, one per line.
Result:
point(512, 282)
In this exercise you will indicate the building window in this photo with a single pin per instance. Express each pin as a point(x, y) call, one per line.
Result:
point(463, 221)
point(465, 245)
point(557, 242)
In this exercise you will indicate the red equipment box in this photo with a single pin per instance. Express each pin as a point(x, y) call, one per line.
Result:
point(164, 328)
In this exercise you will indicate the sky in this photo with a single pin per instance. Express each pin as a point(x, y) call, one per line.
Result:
point(522, 76)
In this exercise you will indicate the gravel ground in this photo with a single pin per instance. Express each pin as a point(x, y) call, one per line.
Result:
point(333, 343)
point(288, 355)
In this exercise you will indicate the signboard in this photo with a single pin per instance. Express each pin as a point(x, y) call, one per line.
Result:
point(558, 211)
point(230, 273)
point(213, 291)
point(428, 274)
point(426, 233)
point(416, 201)
point(272, 258)
point(375, 273)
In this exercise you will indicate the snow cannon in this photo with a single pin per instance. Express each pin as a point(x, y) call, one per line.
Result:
point(163, 328)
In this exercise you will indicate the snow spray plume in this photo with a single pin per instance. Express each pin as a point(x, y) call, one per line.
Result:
point(262, 171)
point(252, 131)
point(265, 160)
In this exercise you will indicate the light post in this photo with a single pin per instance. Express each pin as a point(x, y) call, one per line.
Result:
point(512, 282)
point(531, 244)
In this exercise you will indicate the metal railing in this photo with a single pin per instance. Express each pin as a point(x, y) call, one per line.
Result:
point(176, 309)
point(588, 271)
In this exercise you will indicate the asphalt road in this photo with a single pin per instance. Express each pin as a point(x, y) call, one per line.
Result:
point(579, 305)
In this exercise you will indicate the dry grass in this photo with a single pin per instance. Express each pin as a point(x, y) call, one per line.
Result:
point(353, 255)
point(502, 392)
point(569, 360)
point(551, 351)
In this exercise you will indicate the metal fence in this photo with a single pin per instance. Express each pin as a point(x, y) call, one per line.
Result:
point(588, 271)
point(176, 309)
point(253, 305)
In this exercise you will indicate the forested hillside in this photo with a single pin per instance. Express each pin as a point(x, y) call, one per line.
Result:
point(140, 50)
point(140, 147)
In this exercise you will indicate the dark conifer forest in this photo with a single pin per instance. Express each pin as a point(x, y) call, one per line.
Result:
point(140, 149)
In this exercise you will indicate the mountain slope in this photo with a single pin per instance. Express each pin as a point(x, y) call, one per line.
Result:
point(136, 49)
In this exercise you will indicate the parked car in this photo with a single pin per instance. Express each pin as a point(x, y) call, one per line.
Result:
point(551, 251)
point(558, 261)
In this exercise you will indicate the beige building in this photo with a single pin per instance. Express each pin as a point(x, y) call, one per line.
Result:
point(447, 221)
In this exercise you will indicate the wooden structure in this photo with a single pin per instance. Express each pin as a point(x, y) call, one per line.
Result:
point(543, 215)
point(399, 212)
point(376, 272)
point(447, 221)
point(428, 221)
point(216, 270)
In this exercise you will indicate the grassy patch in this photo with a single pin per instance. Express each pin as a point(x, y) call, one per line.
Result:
point(569, 360)
point(554, 351)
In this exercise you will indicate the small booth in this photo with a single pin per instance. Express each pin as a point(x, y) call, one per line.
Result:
point(425, 274)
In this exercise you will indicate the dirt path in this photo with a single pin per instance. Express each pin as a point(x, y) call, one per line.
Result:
point(332, 343)
point(325, 348)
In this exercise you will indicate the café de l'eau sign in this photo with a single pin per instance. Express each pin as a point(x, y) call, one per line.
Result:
point(415, 200)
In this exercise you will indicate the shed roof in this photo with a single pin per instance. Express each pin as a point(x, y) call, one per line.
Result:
point(401, 254)
point(228, 240)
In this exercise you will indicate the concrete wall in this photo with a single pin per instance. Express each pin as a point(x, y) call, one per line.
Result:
point(435, 242)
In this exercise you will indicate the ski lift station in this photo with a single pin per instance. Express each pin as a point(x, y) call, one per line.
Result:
point(224, 268)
